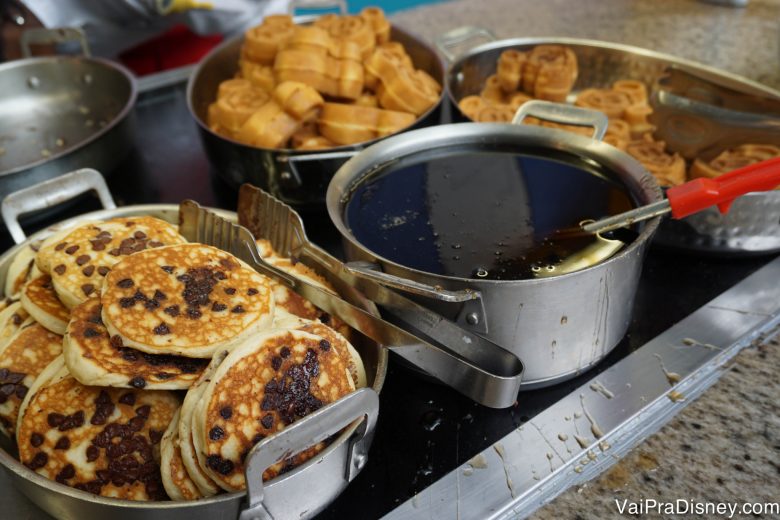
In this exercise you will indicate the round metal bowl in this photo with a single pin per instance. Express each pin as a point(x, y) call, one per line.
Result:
point(298, 178)
point(288, 496)
point(752, 226)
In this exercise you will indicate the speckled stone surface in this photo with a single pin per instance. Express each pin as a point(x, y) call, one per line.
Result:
point(744, 41)
point(725, 446)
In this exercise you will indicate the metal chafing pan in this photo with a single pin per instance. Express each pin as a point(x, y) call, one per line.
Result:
point(298, 178)
point(752, 226)
point(301, 493)
point(60, 113)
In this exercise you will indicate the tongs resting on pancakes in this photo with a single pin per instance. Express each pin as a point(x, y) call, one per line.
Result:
point(471, 364)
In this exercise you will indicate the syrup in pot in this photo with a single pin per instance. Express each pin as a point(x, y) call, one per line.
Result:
point(484, 215)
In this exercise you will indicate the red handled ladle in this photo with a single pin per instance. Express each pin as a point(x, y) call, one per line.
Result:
point(696, 195)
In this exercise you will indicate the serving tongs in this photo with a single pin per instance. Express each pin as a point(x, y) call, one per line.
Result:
point(697, 195)
point(470, 364)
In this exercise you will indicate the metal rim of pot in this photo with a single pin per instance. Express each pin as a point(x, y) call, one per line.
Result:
point(639, 182)
point(354, 415)
point(42, 36)
point(291, 155)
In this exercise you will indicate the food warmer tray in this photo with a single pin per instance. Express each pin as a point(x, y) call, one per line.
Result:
point(427, 433)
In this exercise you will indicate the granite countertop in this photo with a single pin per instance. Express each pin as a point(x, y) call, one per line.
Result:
point(725, 446)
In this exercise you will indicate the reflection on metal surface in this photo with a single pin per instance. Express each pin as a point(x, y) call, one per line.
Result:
point(645, 398)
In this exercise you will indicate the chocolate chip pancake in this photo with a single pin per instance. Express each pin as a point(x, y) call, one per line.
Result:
point(99, 440)
point(22, 359)
point(40, 300)
point(175, 478)
point(21, 270)
point(192, 460)
point(11, 319)
point(94, 358)
point(81, 259)
point(191, 300)
point(263, 385)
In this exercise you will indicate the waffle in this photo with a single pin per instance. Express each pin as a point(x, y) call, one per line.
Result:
point(289, 374)
point(40, 300)
point(99, 440)
point(25, 356)
point(94, 359)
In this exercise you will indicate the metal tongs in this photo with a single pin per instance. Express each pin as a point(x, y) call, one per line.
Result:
point(471, 364)
point(698, 194)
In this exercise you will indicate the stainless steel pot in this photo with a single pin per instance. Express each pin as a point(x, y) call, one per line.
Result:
point(753, 224)
point(300, 493)
point(298, 178)
point(61, 113)
point(558, 326)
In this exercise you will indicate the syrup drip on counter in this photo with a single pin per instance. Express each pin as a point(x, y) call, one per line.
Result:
point(486, 215)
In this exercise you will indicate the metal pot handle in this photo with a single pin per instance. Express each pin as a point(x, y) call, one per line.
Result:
point(372, 272)
point(50, 193)
point(43, 36)
point(293, 177)
point(314, 428)
point(564, 114)
point(445, 42)
point(341, 5)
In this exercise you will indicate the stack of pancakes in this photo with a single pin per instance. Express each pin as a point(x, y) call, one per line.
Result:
point(136, 365)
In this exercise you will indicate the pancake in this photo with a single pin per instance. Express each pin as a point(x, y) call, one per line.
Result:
point(263, 385)
point(82, 258)
point(22, 359)
point(191, 300)
point(99, 440)
point(175, 478)
point(191, 459)
point(94, 359)
point(41, 302)
point(21, 270)
point(11, 320)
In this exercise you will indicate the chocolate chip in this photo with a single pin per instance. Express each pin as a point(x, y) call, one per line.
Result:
point(251, 291)
point(72, 249)
point(325, 345)
point(36, 439)
point(167, 268)
point(226, 412)
point(55, 419)
point(230, 290)
point(216, 433)
point(159, 295)
point(285, 352)
point(238, 309)
point(67, 473)
point(82, 259)
point(89, 332)
point(87, 271)
point(126, 303)
point(103, 270)
point(92, 453)
point(140, 235)
point(38, 461)
point(125, 283)
point(138, 382)
point(218, 307)
point(162, 329)
point(173, 310)
point(128, 398)
point(60, 269)
point(60, 246)
point(267, 421)
point(63, 443)
point(276, 362)
point(88, 289)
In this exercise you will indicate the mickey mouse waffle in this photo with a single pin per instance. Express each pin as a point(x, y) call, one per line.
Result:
point(341, 60)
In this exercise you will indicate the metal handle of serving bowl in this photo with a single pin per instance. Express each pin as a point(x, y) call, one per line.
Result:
point(565, 115)
point(302, 434)
point(457, 37)
point(50, 193)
